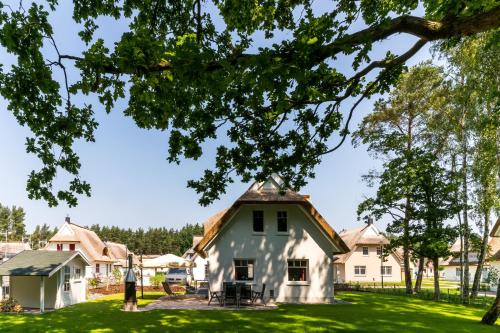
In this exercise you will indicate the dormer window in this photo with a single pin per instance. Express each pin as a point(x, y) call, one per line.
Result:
point(105, 252)
point(258, 221)
point(282, 222)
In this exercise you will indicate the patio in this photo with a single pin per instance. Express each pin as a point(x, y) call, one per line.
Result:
point(198, 302)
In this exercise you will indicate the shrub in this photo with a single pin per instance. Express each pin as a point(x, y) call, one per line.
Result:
point(117, 275)
point(157, 280)
point(10, 305)
point(94, 282)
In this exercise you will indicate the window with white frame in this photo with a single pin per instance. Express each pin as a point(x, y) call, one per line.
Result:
point(379, 250)
point(78, 273)
point(297, 269)
point(386, 270)
point(359, 270)
point(365, 250)
point(66, 277)
point(282, 221)
point(243, 269)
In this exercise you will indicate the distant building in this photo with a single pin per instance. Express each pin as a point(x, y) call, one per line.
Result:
point(363, 262)
point(10, 249)
point(199, 271)
point(103, 256)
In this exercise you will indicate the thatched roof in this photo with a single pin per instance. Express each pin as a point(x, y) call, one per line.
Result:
point(268, 192)
point(13, 247)
point(93, 246)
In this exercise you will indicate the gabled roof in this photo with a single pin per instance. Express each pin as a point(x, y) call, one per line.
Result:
point(492, 255)
point(362, 236)
point(268, 192)
point(120, 252)
point(93, 246)
point(38, 263)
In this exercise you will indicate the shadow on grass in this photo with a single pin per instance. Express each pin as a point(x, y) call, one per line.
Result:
point(368, 313)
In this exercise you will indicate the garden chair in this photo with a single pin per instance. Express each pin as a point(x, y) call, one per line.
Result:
point(214, 294)
point(167, 289)
point(232, 292)
point(259, 295)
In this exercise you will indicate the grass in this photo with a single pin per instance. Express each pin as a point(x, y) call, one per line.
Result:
point(369, 312)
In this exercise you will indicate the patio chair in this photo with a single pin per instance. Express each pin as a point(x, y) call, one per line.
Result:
point(259, 295)
point(167, 289)
point(232, 292)
point(214, 294)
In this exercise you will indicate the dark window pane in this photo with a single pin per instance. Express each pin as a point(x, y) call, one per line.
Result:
point(258, 221)
point(282, 222)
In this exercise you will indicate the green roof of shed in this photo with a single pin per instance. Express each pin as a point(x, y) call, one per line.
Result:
point(37, 263)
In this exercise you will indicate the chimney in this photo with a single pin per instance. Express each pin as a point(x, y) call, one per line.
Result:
point(370, 220)
point(67, 219)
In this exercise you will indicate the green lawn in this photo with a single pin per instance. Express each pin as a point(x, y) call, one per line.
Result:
point(369, 312)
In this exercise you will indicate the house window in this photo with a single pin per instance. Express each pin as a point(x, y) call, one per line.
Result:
point(67, 272)
point(206, 272)
point(297, 270)
point(282, 222)
point(379, 250)
point(72, 247)
point(97, 268)
point(458, 271)
point(59, 247)
point(365, 250)
point(243, 269)
point(359, 270)
point(258, 221)
point(386, 270)
point(78, 273)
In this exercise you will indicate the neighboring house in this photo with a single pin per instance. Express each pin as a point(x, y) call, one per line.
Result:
point(119, 252)
point(72, 237)
point(46, 279)
point(10, 249)
point(451, 266)
point(363, 263)
point(276, 237)
point(199, 271)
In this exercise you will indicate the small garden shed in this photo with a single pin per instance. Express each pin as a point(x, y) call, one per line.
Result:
point(46, 279)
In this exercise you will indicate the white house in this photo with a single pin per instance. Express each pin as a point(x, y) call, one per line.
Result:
point(274, 237)
point(364, 263)
point(199, 271)
point(46, 279)
point(72, 237)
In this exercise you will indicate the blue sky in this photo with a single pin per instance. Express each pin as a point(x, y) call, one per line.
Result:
point(133, 185)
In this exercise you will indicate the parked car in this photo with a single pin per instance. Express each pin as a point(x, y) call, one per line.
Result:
point(179, 276)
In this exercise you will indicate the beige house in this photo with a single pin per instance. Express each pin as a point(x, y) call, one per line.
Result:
point(46, 279)
point(276, 238)
point(363, 262)
point(72, 237)
point(451, 266)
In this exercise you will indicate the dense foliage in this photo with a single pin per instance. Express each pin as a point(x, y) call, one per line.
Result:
point(265, 77)
point(152, 240)
point(12, 225)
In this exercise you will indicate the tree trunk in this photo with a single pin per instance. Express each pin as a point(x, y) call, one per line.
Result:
point(406, 222)
point(491, 316)
point(465, 213)
point(437, 292)
point(418, 283)
point(482, 256)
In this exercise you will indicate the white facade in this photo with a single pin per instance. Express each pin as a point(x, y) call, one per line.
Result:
point(272, 253)
point(26, 289)
point(200, 269)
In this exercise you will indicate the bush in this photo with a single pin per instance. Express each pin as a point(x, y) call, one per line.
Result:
point(10, 305)
point(117, 275)
point(157, 280)
point(94, 282)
